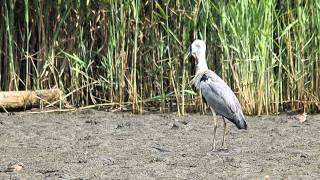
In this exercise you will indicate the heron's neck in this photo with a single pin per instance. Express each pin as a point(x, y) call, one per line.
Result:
point(202, 64)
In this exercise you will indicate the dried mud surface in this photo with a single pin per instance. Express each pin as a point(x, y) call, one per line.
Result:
point(103, 145)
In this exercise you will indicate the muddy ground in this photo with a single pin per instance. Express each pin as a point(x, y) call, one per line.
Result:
point(103, 145)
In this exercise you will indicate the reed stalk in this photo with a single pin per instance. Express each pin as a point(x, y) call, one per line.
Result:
point(131, 54)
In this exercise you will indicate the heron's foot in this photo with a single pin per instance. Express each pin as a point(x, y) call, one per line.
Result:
point(223, 148)
point(213, 148)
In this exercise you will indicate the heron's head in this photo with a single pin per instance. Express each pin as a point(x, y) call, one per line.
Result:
point(198, 48)
point(198, 52)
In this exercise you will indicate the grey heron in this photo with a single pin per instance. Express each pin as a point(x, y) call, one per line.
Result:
point(217, 94)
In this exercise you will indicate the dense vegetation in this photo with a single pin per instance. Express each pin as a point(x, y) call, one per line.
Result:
point(132, 53)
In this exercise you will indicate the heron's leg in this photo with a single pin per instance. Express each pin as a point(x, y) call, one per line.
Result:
point(214, 129)
point(225, 131)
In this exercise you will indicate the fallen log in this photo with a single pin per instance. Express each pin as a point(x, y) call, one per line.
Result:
point(28, 99)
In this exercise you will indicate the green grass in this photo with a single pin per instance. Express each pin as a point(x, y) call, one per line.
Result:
point(131, 54)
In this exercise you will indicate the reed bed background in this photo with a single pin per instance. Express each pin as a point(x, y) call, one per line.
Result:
point(131, 54)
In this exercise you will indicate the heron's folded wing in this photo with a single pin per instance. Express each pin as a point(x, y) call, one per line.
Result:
point(219, 96)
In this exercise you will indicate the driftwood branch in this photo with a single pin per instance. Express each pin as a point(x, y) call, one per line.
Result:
point(27, 99)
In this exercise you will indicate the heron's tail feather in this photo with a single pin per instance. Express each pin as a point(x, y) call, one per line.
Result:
point(240, 123)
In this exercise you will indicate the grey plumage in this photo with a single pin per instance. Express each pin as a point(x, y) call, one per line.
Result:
point(220, 97)
point(215, 92)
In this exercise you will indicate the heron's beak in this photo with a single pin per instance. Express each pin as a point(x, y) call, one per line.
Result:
point(193, 54)
point(190, 52)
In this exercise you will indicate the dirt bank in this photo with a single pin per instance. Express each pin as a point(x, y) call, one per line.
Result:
point(102, 145)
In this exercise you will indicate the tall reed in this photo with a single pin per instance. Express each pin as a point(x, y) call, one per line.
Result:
point(132, 54)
